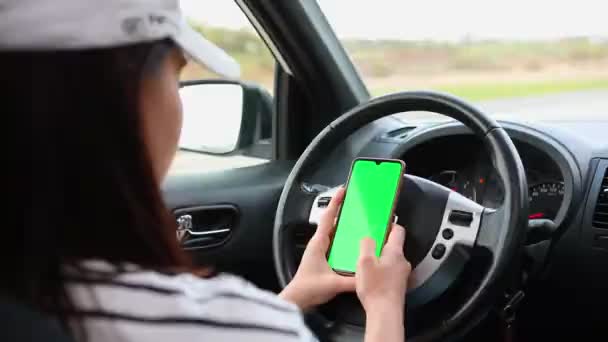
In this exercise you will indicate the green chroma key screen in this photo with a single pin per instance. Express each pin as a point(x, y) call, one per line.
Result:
point(365, 212)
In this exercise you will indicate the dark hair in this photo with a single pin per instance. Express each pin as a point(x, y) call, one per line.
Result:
point(94, 193)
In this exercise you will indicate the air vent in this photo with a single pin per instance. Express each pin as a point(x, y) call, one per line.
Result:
point(396, 135)
point(400, 133)
point(600, 215)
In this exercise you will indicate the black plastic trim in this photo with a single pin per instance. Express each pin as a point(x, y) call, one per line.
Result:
point(589, 232)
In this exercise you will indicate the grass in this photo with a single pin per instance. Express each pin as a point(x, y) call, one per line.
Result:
point(385, 61)
point(492, 91)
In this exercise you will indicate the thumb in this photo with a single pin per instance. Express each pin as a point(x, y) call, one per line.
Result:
point(396, 240)
point(367, 251)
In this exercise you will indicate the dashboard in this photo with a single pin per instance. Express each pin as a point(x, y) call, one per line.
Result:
point(461, 164)
point(560, 159)
point(566, 165)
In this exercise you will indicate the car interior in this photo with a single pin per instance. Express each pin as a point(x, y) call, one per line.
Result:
point(519, 208)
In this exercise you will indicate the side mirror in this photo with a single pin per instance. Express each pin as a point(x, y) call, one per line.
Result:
point(223, 117)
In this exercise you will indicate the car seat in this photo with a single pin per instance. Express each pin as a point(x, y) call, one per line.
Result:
point(20, 322)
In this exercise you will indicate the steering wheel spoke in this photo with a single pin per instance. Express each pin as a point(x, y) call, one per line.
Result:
point(441, 266)
point(489, 237)
point(320, 202)
point(299, 215)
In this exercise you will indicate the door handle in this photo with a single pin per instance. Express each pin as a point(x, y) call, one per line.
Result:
point(209, 232)
point(205, 226)
point(185, 228)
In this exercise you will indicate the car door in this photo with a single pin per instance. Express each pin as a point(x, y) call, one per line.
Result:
point(224, 200)
point(224, 193)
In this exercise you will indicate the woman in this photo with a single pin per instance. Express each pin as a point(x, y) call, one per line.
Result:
point(98, 251)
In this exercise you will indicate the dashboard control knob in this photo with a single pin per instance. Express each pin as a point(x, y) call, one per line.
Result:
point(438, 251)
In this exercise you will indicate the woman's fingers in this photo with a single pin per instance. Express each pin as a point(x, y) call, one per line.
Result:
point(396, 240)
point(322, 237)
point(327, 222)
point(367, 252)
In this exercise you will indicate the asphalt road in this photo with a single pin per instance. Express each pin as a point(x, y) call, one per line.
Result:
point(591, 105)
point(574, 106)
point(583, 105)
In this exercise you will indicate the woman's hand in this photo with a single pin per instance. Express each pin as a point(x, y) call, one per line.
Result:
point(382, 281)
point(381, 287)
point(315, 282)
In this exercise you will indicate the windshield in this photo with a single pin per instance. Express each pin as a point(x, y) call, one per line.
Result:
point(539, 60)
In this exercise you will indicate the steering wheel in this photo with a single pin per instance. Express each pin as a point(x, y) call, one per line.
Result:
point(461, 252)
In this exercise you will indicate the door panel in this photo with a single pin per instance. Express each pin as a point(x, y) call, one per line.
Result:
point(205, 227)
point(253, 193)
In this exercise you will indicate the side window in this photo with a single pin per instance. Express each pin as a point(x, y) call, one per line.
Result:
point(226, 125)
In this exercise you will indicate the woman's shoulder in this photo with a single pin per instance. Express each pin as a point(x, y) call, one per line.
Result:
point(224, 305)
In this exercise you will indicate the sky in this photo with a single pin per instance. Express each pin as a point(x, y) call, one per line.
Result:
point(445, 20)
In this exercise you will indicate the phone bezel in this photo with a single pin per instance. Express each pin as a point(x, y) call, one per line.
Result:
point(391, 214)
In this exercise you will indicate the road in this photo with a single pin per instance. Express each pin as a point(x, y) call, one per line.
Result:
point(590, 105)
point(580, 106)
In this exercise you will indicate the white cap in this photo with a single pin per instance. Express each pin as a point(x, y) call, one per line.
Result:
point(40, 25)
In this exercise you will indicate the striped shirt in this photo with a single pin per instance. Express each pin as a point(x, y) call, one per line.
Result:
point(142, 305)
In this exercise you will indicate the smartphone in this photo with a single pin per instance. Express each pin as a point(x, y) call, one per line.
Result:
point(372, 191)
